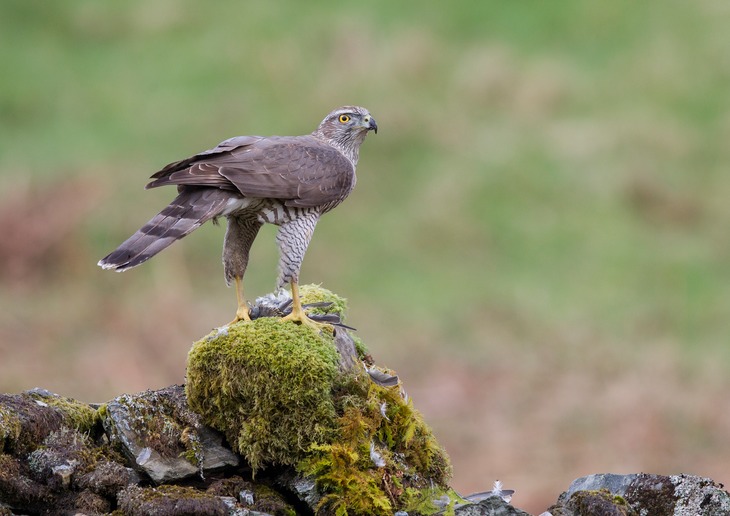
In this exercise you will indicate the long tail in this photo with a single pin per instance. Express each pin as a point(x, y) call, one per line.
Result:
point(191, 208)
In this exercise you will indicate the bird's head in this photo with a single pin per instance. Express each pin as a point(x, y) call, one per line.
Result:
point(346, 128)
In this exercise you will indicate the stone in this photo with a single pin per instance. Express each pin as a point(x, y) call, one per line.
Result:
point(616, 484)
point(492, 506)
point(28, 418)
point(680, 495)
point(245, 495)
point(162, 437)
point(643, 494)
point(170, 500)
point(108, 478)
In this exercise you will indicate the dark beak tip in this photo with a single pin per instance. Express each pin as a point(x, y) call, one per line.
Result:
point(372, 125)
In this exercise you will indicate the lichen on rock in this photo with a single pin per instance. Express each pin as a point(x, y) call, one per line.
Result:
point(162, 437)
point(643, 494)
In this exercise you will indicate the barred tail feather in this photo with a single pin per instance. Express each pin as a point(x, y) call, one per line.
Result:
point(186, 213)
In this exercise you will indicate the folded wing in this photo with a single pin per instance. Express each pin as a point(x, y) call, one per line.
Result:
point(302, 171)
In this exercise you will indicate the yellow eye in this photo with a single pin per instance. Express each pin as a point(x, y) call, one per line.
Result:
point(344, 118)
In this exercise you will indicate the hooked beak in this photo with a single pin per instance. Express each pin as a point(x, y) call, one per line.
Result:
point(369, 123)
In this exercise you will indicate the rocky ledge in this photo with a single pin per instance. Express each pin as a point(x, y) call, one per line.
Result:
point(273, 419)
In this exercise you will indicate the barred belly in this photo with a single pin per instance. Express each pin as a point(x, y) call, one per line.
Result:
point(266, 211)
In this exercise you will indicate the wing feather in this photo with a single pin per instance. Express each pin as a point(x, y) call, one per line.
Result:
point(300, 170)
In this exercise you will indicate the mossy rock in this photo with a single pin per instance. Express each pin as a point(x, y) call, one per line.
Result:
point(162, 437)
point(266, 384)
point(26, 419)
point(275, 390)
point(317, 294)
point(384, 459)
point(252, 496)
point(169, 500)
point(599, 502)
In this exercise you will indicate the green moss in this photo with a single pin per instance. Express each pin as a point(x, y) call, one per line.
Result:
point(348, 487)
point(619, 500)
point(377, 420)
point(422, 501)
point(317, 294)
point(600, 501)
point(362, 351)
point(193, 448)
point(267, 386)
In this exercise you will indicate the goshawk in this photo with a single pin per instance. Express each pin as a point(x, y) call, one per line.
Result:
point(289, 181)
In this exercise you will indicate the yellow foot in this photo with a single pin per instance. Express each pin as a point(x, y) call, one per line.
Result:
point(241, 315)
point(301, 317)
point(242, 311)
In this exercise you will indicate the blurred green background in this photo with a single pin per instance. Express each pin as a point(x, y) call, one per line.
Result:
point(538, 242)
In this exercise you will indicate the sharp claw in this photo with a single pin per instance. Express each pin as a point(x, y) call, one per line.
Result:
point(241, 315)
point(304, 320)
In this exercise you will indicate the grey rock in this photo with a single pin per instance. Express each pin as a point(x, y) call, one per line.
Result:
point(349, 360)
point(108, 478)
point(616, 484)
point(492, 506)
point(643, 495)
point(233, 508)
point(680, 495)
point(215, 454)
point(699, 496)
point(303, 487)
point(63, 472)
point(162, 437)
point(246, 497)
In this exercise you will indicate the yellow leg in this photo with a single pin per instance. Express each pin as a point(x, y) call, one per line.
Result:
point(242, 310)
point(299, 315)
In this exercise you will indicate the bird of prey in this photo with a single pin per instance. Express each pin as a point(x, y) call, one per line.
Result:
point(289, 181)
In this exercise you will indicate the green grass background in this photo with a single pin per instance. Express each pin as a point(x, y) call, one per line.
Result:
point(538, 241)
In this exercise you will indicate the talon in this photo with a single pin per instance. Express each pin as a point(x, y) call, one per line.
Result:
point(303, 319)
point(241, 315)
point(299, 315)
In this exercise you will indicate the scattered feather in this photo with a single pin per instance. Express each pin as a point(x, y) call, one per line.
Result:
point(381, 378)
point(504, 494)
point(375, 456)
point(497, 488)
point(383, 407)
